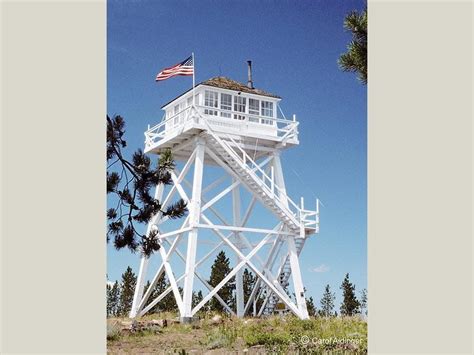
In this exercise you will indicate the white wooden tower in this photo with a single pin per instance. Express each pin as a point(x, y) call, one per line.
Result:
point(235, 129)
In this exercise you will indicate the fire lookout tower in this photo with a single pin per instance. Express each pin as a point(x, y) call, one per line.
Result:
point(234, 129)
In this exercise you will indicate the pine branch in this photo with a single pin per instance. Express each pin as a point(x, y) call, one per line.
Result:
point(134, 193)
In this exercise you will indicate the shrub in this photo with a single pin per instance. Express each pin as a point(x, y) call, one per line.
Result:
point(113, 331)
point(221, 337)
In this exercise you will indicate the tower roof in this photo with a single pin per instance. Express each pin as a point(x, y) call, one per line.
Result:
point(226, 83)
point(229, 84)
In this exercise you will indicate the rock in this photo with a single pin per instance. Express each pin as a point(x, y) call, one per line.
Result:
point(160, 322)
point(217, 319)
point(126, 323)
point(173, 321)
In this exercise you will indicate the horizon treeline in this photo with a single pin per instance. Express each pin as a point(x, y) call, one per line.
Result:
point(120, 294)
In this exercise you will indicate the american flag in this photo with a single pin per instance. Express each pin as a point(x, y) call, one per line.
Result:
point(186, 67)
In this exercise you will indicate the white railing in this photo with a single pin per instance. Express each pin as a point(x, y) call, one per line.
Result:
point(283, 129)
point(156, 133)
point(306, 218)
point(242, 122)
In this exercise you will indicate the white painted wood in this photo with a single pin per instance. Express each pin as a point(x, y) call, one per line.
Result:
point(205, 283)
point(172, 279)
point(138, 294)
point(279, 179)
point(268, 264)
point(244, 229)
point(297, 280)
point(158, 298)
point(210, 135)
point(239, 286)
point(194, 216)
point(244, 260)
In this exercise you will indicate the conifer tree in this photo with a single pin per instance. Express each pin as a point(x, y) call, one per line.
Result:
point(249, 280)
point(350, 305)
point(363, 302)
point(109, 303)
point(310, 306)
point(131, 181)
point(129, 281)
point(219, 270)
point(146, 287)
point(327, 302)
point(197, 297)
point(168, 303)
point(152, 296)
point(248, 283)
point(113, 299)
point(355, 59)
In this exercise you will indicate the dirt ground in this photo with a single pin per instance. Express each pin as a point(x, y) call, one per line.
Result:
point(174, 339)
point(276, 335)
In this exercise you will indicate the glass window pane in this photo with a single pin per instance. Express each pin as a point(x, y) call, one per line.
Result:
point(267, 108)
point(210, 100)
point(254, 109)
point(239, 106)
point(226, 104)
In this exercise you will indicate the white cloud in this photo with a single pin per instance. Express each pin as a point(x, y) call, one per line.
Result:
point(320, 268)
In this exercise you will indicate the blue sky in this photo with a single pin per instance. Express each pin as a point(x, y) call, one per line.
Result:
point(294, 46)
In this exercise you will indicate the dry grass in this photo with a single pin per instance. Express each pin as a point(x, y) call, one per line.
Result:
point(273, 335)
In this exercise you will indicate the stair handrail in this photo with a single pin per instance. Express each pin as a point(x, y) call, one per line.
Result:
point(264, 177)
point(251, 171)
point(270, 189)
point(281, 269)
point(298, 214)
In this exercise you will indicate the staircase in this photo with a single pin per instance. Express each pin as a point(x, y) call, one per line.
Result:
point(298, 220)
point(285, 273)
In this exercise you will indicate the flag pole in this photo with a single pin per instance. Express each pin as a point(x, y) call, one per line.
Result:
point(194, 68)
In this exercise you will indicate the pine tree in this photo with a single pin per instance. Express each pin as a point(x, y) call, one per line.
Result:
point(129, 281)
point(327, 303)
point(310, 306)
point(350, 305)
point(197, 297)
point(355, 59)
point(168, 303)
point(248, 284)
point(363, 302)
point(113, 298)
point(219, 270)
point(249, 280)
point(109, 303)
point(130, 181)
point(146, 287)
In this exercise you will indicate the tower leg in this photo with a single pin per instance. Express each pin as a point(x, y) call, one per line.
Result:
point(194, 216)
point(138, 294)
point(279, 179)
point(293, 254)
point(239, 282)
point(297, 280)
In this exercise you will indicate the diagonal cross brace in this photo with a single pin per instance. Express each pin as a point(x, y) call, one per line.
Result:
point(269, 283)
point(244, 260)
point(205, 283)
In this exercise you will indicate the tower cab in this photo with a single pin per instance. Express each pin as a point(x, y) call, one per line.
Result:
point(234, 111)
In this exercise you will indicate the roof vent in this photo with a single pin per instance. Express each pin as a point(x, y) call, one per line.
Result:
point(250, 82)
